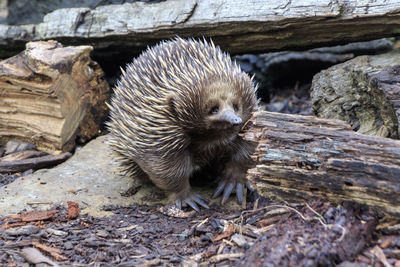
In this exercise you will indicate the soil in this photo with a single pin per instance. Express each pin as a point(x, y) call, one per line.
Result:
point(265, 234)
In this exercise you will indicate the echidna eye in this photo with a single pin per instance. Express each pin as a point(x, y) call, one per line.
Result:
point(235, 107)
point(214, 110)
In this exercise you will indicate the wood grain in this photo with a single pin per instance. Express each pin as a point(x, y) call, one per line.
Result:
point(301, 157)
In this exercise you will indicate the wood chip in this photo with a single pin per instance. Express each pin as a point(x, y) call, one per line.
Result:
point(386, 243)
point(173, 211)
point(73, 210)
point(12, 225)
point(225, 234)
point(35, 215)
point(54, 252)
point(377, 251)
point(34, 256)
point(222, 257)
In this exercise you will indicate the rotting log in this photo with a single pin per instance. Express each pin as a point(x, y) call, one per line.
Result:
point(364, 91)
point(300, 157)
point(239, 26)
point(49, 94)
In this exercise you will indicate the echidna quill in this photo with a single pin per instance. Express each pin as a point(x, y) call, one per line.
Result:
point(177, 107)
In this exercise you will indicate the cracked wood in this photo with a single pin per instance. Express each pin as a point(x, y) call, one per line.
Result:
point(238, 26)
point(300, 157)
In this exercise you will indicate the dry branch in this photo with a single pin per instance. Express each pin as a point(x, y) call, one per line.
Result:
point(33, 163)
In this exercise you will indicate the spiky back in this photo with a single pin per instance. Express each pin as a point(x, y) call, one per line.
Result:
point(142, 119)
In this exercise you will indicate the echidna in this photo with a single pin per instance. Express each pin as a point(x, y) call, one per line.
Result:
point(177, 107)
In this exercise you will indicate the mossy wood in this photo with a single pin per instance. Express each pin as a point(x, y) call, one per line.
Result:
point(49, 94)
point(301, 157)
point(364, 91)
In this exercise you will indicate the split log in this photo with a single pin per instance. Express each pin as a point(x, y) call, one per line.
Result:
point(239, 26)
point(50, 94)
point(364, 91)
point(300, 157)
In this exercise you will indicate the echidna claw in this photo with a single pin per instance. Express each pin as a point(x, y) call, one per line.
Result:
point(193, 200)
point(219, 189)
point(239, 193)
point(192, 204)
point(178, 204)
point(248, 185)
point(228, 188)
point(200, 200)
point(227, 192)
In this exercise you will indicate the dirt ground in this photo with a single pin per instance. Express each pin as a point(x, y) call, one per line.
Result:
point(264, 234)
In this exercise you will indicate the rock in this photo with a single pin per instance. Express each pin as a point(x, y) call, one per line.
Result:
point(90, 178)
point(14, 146)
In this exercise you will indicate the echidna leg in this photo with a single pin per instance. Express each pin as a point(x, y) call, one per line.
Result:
point(172, 175)
point(233, 177)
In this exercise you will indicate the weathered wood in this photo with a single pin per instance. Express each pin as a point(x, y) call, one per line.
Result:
point(364, 91)
point(238, 26)
point(33, 163)
point(50, 94)
point(22, 155)
point(300, 157)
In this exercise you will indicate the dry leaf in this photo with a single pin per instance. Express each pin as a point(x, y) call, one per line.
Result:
point(226, 234)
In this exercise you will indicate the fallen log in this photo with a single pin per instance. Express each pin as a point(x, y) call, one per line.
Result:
point(239, 26)
point(300, 157)
point(364, 92)
point(50, 94)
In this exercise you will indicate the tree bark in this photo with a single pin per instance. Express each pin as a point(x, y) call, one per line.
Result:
point(364, 91)
point(50, 94)
point(300, 157)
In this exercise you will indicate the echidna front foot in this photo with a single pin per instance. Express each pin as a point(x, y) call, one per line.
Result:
point(227, 187)
point(192, 200)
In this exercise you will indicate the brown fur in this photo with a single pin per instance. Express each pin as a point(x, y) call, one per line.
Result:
point(161, 123)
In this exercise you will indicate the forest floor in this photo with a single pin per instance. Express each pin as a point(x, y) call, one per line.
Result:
point(262, 233)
